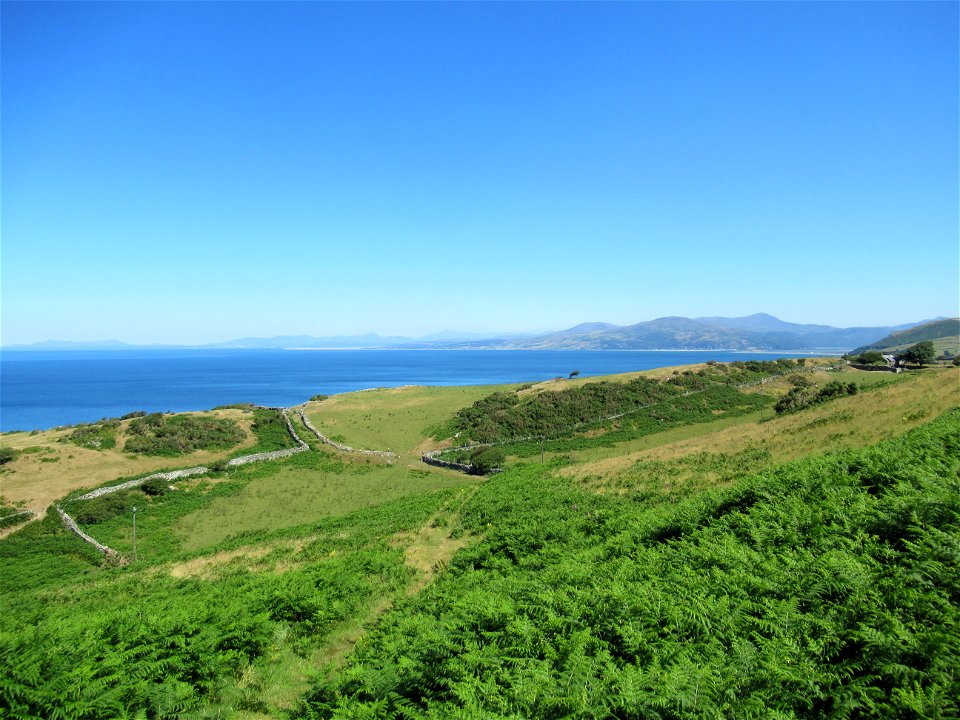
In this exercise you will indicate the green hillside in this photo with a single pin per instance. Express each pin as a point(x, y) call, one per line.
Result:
point(945, 335)
point(709, 559)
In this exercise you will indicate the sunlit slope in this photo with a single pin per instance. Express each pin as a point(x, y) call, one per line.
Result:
point(888, 406)
point(49, 465)
point(398, 419)
point(825, 587)
point(388, 581)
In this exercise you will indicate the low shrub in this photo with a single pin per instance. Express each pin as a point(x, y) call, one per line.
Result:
point(156, 486)
point(97, 510)
point(96, 436)
point(157, 434)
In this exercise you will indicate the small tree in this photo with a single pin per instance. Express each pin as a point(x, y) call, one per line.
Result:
point(486, 459)
point(574, 374)
point(922, 353)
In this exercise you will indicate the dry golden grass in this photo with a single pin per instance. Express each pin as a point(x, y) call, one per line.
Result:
point(427, 550)
point(204, 567)
point(849, 422)
point(52, 466)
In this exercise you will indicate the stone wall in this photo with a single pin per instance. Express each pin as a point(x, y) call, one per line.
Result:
point(172, 475)
point(274, 454)
point(874, 368)
point(187, 472)
point(432, 458)
point(75, 529)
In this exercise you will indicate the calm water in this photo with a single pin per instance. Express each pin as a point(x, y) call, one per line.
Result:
point(46, 389)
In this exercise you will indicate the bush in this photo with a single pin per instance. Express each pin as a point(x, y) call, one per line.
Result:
point(801, 397)
point(7, 455)
point(156, 434)
point(156, 486)
point(870, 357)
point(96, 436)
point(507, 416)
point(486, 459)
point(91, 512)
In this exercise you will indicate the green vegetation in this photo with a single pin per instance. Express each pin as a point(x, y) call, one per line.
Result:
point(96, 436)
point(172, 435)
point(825, 588)
point(870, 357)
point(111, 642)
point(677, 409)
point(271, 431)
point(803, 396)
point(923, 353)
point(505, 416)
point(11, 515)
point(7, 455)
point(486, 459)
point(667, 564)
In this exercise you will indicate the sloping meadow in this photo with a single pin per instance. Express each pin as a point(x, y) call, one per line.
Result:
point(827, 587)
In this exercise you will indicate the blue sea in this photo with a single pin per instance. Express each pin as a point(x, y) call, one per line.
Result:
point(40, 390)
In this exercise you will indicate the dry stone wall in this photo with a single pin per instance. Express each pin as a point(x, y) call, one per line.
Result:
point(274, 454)
point(75, 529)
point(172, 475)
point(432, 458)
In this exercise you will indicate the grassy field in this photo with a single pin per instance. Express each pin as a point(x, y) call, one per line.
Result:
point(49, 466)
point(397, 419)
point(263, 579)
point(303, 489)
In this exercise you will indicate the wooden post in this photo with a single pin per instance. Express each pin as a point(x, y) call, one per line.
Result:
point(134, 533)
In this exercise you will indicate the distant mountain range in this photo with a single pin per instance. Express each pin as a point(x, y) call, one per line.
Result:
point(760, 332)
point(753, 332)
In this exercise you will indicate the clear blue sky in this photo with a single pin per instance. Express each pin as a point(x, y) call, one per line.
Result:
point(193, 172)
